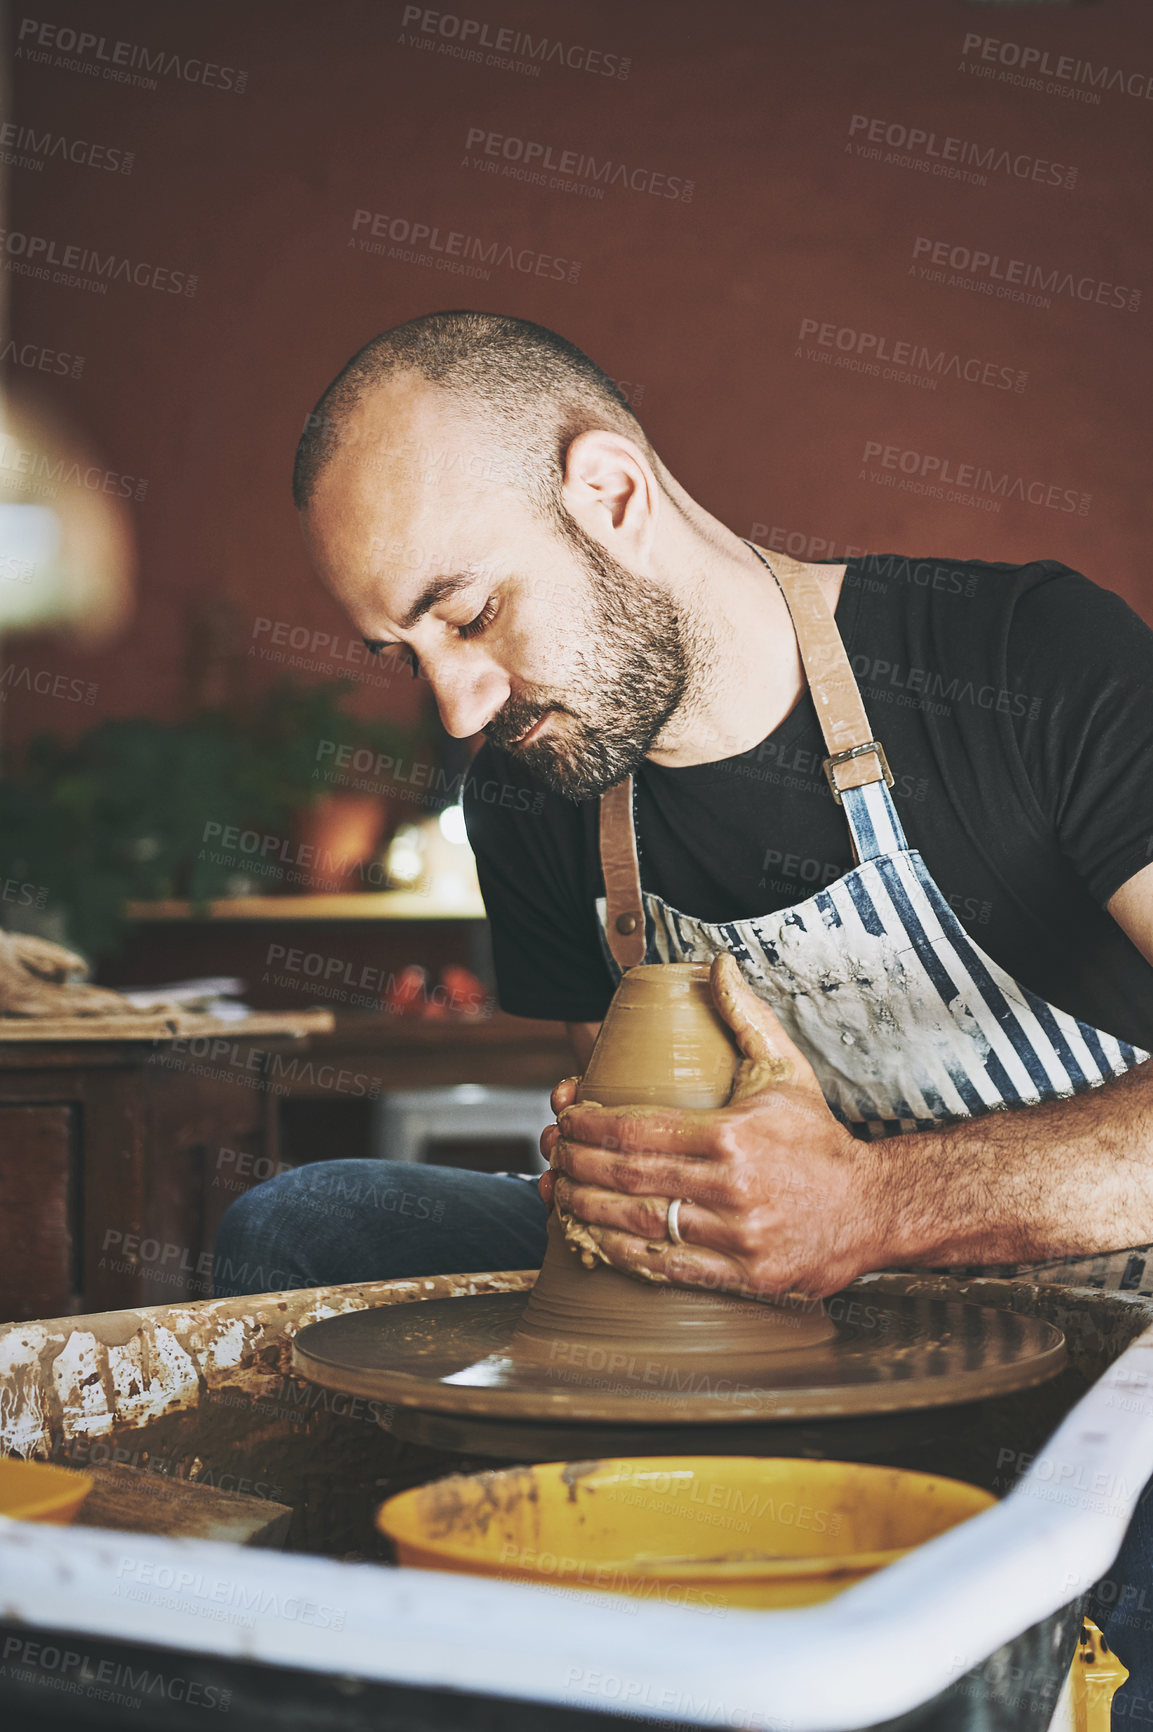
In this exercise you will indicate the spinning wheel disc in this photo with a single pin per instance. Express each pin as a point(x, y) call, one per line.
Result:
point(890, 1352)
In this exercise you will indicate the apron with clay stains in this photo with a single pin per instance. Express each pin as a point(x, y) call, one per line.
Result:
point(907, 1023)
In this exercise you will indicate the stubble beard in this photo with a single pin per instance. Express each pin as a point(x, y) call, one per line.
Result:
point(631, 672)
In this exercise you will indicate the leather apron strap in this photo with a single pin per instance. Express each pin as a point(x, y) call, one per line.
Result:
point(855, 757)
point(624, 911)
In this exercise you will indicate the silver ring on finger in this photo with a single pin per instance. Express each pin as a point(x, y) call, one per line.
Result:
point(673, 1224)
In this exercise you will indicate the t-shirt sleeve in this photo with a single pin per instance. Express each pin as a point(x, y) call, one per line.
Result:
point(533, 861)
point(1084, 660)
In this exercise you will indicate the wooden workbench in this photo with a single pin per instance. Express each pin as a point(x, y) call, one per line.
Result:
point(121, 1150)
point(107, 1129)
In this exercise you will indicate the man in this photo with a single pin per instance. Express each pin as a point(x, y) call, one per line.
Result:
point(484, 504)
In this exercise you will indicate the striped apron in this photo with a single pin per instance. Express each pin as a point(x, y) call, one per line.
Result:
point(907, 1023)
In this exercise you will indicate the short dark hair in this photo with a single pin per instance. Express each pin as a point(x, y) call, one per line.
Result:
point(536, 390)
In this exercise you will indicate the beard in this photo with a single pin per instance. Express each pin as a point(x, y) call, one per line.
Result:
point(618, 698)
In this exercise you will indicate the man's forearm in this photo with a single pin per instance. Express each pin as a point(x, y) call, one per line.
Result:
point(1064, 1178)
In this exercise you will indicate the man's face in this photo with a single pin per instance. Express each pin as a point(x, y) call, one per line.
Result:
point(534, 634)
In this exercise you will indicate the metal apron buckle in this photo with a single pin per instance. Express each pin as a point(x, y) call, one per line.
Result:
point(831, 763)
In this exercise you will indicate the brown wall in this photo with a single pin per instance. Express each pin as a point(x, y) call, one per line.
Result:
point(701, 303)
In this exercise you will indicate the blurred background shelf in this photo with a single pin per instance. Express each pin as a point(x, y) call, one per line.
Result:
point(30, 1031)
point(350, 905)
point(340, 950)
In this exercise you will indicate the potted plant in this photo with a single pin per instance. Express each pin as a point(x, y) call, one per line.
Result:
point(139, 810)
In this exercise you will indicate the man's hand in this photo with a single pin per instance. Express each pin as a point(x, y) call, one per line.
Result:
point(778, 1196)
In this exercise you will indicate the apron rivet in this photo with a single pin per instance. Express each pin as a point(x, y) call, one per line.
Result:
point(626, 923)
point(848, 1039)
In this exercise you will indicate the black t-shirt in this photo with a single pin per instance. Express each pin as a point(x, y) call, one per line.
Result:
point(1015, 704)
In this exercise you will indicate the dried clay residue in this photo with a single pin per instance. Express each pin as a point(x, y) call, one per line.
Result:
point(466, 1505)
point(574, 1471)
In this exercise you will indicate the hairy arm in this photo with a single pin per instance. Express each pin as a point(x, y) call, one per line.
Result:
point(1062, 1178)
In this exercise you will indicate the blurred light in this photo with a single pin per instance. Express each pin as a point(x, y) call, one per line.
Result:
point(452, 826)
point(404, 861)
point(66, 554)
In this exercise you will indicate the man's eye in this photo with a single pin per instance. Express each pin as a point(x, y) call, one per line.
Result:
point(396, 652)
point(482, 621)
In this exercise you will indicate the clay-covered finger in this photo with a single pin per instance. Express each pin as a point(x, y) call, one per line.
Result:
point(768, 1052)
point(676, 1130)
point(738, 1004)
point(565, 1093)
point(643, 1174)
point(643, 1215)
point(679, 1265)
point(646, 1216)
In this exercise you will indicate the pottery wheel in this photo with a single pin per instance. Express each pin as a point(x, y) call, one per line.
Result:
point(888, 1353)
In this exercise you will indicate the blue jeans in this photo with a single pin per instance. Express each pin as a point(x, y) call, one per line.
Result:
point(358, 1220)
point(340, 1221)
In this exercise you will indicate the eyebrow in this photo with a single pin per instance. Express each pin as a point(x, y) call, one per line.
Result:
point(437, 591)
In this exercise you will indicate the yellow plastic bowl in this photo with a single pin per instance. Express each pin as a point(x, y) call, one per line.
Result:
point(705, 1531)
point(36, 1491)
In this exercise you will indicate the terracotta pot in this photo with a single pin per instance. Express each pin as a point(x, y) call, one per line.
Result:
point(662, 1043)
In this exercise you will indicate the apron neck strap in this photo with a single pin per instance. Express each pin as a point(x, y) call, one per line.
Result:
point(855, 758)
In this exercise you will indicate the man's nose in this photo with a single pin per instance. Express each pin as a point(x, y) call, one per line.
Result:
point(467, 702)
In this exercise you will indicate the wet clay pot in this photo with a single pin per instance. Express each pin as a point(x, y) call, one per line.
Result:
point(662, 1043)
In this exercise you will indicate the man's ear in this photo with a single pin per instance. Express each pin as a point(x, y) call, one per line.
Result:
point(610, 489)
